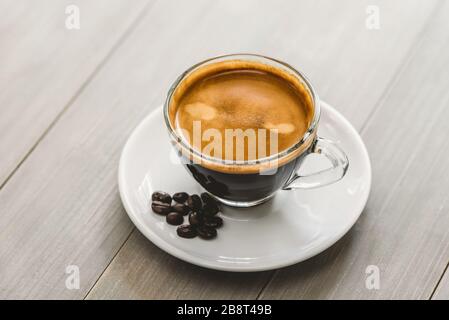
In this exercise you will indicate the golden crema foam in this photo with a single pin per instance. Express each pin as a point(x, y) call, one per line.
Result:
point(231, 98)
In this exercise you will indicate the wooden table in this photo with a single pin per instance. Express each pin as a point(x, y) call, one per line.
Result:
point(69, 99)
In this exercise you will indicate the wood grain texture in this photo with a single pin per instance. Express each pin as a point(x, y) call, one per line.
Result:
point(43, 67)
point(141, 271)
point(403, 230)
point(329, 41)
point(43, 64)
point(442, 290)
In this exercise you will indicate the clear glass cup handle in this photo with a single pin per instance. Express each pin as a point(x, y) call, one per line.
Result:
point(324, 177)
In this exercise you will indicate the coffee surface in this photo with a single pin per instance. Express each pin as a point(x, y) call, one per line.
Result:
point(217, 101)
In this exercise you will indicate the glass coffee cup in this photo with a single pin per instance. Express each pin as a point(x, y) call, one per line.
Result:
point(249, 182)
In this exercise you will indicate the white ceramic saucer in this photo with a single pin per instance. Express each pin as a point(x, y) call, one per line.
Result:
point(290, 228)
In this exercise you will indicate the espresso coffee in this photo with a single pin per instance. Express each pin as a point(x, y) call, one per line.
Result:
point(237, 95)
point(241, 95)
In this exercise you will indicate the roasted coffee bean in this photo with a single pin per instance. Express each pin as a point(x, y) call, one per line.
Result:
point(181, 208)
point(180, 197)
point(207, 198)
point(160, 207)
point(210, 209)
point(206, 233)
point(161, 196)
point(174, 218)
point(186, 231)
point(213, 222)
point(195, 218)
point(194, 202)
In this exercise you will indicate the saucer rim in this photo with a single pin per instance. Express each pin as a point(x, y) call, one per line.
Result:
point(213, 264)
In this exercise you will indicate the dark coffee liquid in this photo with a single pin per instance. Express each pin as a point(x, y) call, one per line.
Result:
point(244, 187)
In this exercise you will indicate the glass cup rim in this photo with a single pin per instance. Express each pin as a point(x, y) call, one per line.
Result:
point(245, 57)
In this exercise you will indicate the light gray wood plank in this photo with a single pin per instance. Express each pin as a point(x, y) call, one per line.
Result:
point(403, 230)
point(327, 40)
point(43, 64)
point(442, 290)
point(141, 271)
